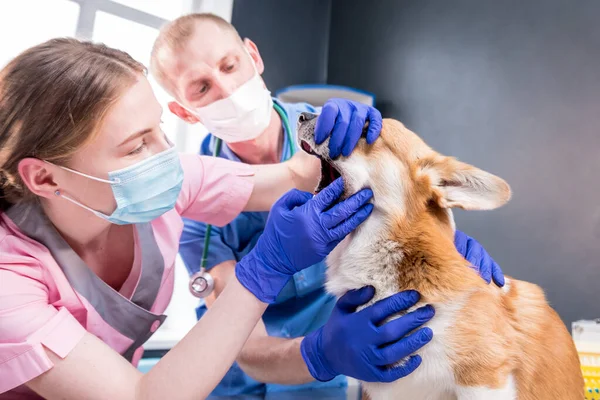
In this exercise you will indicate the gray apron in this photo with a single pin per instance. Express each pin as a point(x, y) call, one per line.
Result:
point(132, 318)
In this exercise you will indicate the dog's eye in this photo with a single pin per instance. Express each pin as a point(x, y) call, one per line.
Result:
point(449, 183)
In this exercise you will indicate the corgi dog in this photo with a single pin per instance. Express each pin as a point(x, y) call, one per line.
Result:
point(488, 342)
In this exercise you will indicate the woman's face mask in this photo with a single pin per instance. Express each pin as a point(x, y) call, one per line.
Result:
point(242, 116)
point(143, 191)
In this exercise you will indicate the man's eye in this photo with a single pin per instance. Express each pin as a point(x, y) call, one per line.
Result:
point(202, 89)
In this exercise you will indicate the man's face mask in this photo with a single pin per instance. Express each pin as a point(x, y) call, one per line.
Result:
point(242, 116)
point(143, 191)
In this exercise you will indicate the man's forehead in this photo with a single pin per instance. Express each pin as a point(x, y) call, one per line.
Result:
point(209, 42)
point(206, 47)
point(201, 50)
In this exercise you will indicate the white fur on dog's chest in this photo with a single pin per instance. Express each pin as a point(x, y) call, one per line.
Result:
point(364, 258)
point(434, 379)
point(352, 267)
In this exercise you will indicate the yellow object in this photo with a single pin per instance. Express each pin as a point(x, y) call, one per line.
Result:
point(590, 366)
point(586, 335)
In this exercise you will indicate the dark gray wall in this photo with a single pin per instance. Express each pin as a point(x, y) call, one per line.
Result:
point(292, 37)
point(512, 87)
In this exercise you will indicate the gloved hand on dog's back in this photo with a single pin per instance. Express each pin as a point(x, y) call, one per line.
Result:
point(481, 261)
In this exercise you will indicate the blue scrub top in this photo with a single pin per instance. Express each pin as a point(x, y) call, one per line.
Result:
point(303, 305)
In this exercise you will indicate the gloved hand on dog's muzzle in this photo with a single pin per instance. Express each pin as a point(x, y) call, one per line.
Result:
point(353, 343)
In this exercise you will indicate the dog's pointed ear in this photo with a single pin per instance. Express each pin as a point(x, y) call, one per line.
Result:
point(457, 184)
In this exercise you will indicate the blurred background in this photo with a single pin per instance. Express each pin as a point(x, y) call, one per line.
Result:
point(510, 86)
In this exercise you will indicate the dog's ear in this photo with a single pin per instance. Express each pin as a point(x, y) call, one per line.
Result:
point(457, 184)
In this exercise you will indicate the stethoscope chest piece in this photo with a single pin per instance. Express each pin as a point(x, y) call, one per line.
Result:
point(202, 284)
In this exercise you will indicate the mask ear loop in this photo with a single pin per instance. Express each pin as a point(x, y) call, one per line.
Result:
point(116, 180)
point(72, 200)
point(98, 213)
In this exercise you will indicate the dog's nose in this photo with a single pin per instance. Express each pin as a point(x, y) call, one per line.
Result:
point(306, 116)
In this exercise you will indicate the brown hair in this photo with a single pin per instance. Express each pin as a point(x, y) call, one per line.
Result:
point(53, 98)
point(175, 35)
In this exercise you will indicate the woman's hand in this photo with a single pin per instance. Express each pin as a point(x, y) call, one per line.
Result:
point(301, 231)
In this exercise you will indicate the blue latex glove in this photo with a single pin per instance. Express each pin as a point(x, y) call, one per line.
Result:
point(345, 120)
point(479, 258)
point(355, 344)
point(301, 230)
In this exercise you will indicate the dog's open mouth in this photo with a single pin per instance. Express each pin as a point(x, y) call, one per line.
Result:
point(328, 171)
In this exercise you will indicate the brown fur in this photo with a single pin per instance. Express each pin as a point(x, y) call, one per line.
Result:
point(364, 395)
point(498, 333)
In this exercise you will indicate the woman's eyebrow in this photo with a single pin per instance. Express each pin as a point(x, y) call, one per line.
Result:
point(135, 136)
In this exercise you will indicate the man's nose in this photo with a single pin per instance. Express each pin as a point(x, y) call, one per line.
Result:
point(306, 116)
point(225, 91)
point(225, 86)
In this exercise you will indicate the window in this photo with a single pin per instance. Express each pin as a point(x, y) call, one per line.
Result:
point(160, 8)
point(21, 28)
point(138, 43)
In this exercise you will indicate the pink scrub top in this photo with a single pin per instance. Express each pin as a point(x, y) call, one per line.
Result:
point(50, 298)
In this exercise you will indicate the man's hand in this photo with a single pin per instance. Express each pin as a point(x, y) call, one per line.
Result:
point(479, 258)
point(357, 345)
point(344, 120)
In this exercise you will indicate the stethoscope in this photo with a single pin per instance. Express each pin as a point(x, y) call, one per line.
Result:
point(202, 283)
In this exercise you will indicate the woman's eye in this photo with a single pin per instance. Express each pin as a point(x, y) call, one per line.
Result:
point(229, 68)
point(138, 149)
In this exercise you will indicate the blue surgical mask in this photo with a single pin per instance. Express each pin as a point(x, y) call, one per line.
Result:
point(144, 191)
